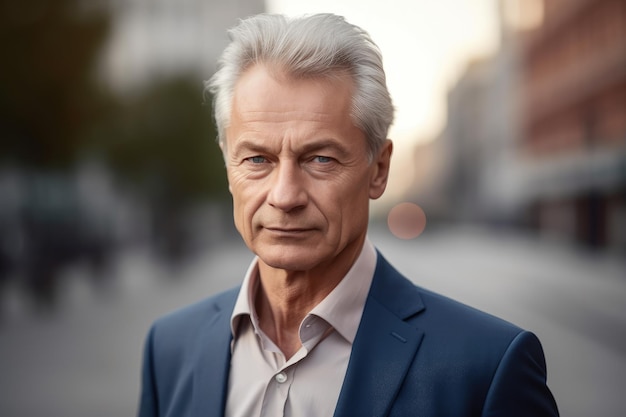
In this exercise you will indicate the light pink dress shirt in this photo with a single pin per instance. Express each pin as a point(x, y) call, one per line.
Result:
point(263, 384)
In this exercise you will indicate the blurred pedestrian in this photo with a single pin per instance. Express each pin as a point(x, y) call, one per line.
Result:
point(322, 324)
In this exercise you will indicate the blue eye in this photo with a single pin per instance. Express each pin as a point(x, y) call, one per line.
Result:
point(323, 159)
point(256, 159)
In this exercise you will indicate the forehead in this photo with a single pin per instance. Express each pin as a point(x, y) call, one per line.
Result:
point(268, 103)
point(268, 89)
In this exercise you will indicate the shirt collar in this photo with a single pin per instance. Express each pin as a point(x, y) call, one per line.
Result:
point(245, 299)
point(342, 308)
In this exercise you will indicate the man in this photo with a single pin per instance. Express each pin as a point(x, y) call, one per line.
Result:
point(322, 325)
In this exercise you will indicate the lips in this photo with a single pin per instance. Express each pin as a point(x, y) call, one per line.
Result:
point(288, 231)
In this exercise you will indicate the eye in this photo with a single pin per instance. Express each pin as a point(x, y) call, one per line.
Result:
point(322, 159)
point(256, 159)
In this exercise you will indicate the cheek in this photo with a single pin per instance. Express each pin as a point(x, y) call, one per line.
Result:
point(246, 203)
point(359, 197)
point(348, 205)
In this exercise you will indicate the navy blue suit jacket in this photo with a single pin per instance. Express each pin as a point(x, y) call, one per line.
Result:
point(416, 353)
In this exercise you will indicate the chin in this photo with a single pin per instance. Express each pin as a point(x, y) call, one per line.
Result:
point(289, 259)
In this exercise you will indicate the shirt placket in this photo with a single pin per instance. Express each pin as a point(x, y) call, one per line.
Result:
point(277, 392)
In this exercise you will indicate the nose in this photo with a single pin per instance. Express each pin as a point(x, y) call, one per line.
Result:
point(288, 187)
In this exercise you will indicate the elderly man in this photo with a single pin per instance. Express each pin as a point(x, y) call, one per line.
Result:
point(322, 325)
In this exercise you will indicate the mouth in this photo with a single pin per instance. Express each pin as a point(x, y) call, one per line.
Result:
point(288, 231)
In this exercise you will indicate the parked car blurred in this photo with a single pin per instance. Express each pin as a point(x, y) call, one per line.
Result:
point(47, 228)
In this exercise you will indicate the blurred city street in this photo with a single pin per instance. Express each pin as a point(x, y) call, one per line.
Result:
point(115, 207)
point(83, 358)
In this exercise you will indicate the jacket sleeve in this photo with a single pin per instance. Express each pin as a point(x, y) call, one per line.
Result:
point(519, 385)
point(148, 406)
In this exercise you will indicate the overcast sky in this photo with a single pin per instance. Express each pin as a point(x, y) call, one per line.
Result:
point(425, 46)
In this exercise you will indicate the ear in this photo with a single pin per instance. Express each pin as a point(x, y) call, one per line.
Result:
point(380, 170)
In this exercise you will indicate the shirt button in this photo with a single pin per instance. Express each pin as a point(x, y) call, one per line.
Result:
point(281, 377)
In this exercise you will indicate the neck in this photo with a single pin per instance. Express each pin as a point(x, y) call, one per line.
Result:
point(286, 297)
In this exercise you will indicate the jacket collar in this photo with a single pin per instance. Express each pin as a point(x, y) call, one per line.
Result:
point(212, 351)
point(384, 347)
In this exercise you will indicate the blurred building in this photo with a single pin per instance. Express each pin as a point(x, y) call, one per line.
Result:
point(160, 38)
point(574, 121)
point(480, 175)
point(482, 134)
point(536, 133)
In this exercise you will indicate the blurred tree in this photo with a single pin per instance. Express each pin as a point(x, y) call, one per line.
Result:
point(161, 141)
point(48, 98)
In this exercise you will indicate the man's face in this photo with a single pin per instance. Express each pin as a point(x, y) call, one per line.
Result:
point(298, 169)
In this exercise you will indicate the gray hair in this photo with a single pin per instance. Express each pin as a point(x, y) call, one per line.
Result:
point(319, 45)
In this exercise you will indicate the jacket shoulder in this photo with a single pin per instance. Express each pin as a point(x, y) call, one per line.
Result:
point(473, 360)
point(178, 345)
point(414, 303)
point(184, 323)
point(459, 316)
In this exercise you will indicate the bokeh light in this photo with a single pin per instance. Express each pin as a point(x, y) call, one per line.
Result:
point(406, 220)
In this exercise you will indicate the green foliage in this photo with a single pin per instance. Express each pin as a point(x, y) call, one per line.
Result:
point(163, 141)
point(52, 112)
point(47, 96)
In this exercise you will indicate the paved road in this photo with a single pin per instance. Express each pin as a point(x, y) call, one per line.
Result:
point(83, 359)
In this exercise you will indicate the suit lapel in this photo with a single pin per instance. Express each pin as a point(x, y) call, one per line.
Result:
point(212, 360)
point(384, 347)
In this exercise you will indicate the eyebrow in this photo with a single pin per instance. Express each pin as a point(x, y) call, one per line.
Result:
point(324, 144)
point(251, 145)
